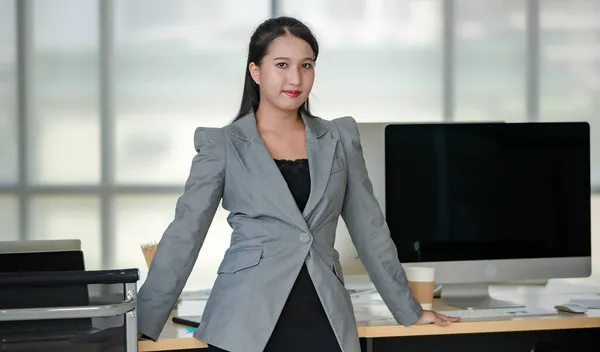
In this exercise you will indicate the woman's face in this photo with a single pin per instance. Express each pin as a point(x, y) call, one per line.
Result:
point(286, 73)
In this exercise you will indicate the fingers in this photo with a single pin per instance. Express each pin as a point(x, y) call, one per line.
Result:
point(444, 320)
point(430, 317)
point(454, 319)
point(441, 321)
point(451, 319)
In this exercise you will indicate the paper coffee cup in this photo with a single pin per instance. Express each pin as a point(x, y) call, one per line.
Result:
point(422, 282)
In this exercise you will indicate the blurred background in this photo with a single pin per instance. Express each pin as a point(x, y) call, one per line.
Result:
point(99, 99)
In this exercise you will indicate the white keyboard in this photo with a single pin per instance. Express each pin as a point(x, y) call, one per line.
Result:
point(497, 314)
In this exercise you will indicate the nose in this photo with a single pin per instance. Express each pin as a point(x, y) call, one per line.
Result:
point(295, 77)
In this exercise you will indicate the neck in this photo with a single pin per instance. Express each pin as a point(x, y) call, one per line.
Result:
point(272, 119)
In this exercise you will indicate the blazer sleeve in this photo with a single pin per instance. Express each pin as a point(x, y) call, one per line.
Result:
point(180, 244)
point(369, 231)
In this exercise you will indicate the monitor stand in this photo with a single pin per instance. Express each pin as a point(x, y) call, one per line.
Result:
point(473, 296)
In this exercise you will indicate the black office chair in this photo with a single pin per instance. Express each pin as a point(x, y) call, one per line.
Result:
point(43, 328)
point(44, 277)
point(43, 296)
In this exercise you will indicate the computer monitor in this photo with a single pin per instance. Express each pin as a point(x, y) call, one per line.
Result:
point(489, 202)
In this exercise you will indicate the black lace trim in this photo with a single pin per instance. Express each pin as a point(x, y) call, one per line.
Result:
point(293, 165)
point(291, 161)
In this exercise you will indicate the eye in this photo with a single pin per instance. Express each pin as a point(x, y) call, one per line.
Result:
point(281, 64)
point(307, 65)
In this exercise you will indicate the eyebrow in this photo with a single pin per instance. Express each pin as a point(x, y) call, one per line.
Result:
point(287, 58)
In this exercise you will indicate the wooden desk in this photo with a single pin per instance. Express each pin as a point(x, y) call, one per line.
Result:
point(177, 337)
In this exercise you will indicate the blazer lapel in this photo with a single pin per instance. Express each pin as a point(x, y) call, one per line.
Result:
point(261, 167)
point(320, 158)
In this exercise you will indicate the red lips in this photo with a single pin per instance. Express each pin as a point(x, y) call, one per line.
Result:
point(292, 93)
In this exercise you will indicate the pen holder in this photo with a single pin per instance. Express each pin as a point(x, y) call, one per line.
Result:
point(149, 249)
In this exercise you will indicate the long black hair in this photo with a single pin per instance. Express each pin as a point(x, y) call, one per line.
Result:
point(260, 40)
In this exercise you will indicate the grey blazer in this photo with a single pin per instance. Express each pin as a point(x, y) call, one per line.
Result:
point(271, 238)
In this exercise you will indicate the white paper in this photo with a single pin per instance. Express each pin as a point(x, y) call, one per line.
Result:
point(589, 303)
point(362, 317)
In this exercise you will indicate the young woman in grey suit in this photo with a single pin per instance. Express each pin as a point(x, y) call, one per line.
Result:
point(286, 177)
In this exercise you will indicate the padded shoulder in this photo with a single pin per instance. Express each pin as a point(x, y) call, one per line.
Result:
point(209, 136)
point(348, 129)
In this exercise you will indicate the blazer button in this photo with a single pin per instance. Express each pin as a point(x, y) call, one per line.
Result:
point(304, 237)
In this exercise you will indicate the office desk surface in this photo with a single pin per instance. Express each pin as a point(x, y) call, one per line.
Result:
point(175, 336)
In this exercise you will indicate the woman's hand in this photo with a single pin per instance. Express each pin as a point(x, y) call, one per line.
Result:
point(431, 317)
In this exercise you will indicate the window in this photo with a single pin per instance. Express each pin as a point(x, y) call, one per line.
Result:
point(175, 65)
point(380, 60)
point(490, 59)
point(8, 96)
point(9, 221)
point(69, 216)
point(65, 128)
point(174, 73)
point(570, 67)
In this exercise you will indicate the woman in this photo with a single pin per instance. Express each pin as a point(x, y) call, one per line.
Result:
point(286, 177)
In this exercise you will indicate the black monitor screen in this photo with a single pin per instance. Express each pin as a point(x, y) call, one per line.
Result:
point(481, 191)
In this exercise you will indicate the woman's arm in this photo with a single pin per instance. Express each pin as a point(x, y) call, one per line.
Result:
point(369, 231)
point(180, 244)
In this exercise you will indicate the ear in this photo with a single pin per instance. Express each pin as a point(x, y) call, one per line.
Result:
point(254, 72)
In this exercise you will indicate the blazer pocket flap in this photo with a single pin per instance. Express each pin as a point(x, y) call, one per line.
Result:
point(239, 259)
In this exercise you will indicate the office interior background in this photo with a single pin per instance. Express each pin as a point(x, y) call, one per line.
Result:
point(99, 99)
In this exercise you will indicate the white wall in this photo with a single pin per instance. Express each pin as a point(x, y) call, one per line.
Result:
point(372, 138)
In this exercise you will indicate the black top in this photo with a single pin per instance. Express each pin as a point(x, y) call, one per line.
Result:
point(303, 324)
point(297, 176)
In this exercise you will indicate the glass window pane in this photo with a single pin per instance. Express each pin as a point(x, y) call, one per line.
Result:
point(69, 217)
point(179, 64)
point(8, 69)
point(9, 221)
point(143, 219)
point(379, 61)
point(65, 127)
point(570, 67)
point(490, 60)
